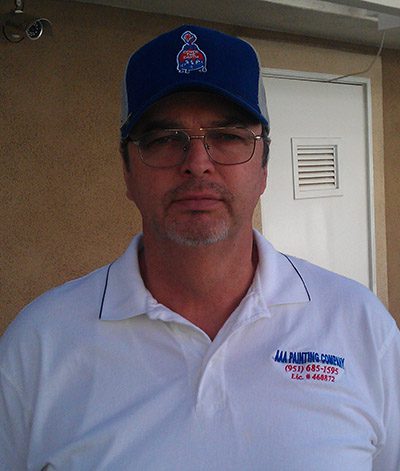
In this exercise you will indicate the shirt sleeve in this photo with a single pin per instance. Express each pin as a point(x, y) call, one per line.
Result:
point(14, 427)
point(388, 458)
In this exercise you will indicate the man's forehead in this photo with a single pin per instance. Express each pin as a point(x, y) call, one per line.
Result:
point(168, 111)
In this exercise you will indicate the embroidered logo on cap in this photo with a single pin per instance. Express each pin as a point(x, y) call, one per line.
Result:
point(190, 58)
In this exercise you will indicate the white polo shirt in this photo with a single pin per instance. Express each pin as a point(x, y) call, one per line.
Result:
point(304, 376)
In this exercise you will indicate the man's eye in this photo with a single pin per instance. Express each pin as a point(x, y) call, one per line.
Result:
point(160, 140)
point(225, 137)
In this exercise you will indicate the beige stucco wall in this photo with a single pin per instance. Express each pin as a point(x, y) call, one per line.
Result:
point(63, 205)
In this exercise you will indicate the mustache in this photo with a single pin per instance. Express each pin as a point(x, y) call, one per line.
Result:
point(200, 186)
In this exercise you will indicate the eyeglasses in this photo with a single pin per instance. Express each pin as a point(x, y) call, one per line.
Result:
point(224, 145)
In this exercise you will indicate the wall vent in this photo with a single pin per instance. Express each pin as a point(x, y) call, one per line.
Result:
point(316, 167)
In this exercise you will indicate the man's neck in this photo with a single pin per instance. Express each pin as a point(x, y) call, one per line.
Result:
point(203, 284)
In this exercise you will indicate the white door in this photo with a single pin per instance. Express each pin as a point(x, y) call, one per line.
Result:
point(317, 202)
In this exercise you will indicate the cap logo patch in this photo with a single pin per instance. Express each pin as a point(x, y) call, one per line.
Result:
point(190, 58)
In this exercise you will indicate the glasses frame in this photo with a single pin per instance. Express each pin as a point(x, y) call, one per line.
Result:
point(254, 136)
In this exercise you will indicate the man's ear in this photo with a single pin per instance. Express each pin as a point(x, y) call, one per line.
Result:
point(124, 153)
point(126, 169)
point(264, 171)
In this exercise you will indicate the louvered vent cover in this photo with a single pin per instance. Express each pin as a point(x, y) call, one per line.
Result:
point(315, 167)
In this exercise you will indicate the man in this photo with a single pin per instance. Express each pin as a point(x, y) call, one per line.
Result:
point(201, 348)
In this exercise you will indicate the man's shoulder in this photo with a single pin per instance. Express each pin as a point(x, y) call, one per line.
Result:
point(73, 292)
point(344, 297)
point(317, 280)
point(75, 300)
point(61, 304)
point(320, 279)
point(52, 322)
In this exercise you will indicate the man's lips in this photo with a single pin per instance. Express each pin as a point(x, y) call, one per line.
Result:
point(198, 202)
point(198, 195)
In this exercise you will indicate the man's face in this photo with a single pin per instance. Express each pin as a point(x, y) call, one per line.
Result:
point(198, 202)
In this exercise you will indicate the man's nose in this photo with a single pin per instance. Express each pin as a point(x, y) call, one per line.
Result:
point(197, 161)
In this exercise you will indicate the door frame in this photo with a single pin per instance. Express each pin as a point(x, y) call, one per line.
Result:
point(365, 83)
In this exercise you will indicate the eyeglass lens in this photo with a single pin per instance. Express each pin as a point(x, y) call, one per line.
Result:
point(226, 146)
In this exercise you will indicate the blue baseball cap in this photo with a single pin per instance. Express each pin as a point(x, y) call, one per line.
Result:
point(192, 58)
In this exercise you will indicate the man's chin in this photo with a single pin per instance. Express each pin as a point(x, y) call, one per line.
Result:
point(197, 236)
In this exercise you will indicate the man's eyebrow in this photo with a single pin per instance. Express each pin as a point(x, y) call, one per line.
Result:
point(170, 124)
point(230, 121)
point(157, 124)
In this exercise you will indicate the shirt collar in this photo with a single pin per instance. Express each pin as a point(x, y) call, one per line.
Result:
point(277, 281)
point(125, 294)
